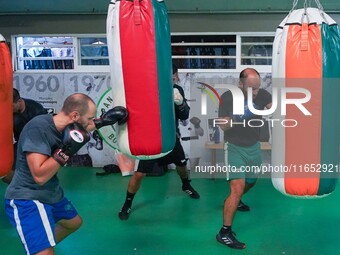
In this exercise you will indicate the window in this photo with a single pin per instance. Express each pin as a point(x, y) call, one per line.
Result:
point(44, 52)
point(93, 51)
point(196, 52)
point(60, 52)
point(222, 51)
point(204, 51)
point(256, 50)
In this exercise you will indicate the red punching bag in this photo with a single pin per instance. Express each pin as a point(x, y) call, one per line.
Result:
point(6, 109)
point(139, 44)
point(306, 54)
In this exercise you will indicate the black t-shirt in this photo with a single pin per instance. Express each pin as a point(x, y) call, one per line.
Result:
point(32, 109)
point(239, 134)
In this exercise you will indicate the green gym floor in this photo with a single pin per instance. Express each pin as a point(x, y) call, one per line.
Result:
point(166, 221)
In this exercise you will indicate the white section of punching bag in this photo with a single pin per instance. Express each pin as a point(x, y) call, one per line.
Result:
point(278, 131)
point(117, 78)
point(115, 57)
point(313, 15)
point(278, 144)
point(279, 53)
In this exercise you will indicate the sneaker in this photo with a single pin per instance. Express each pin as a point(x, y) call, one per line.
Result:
point(187, 188)
point(124, 213)
point(243, 207)
point(230, 240)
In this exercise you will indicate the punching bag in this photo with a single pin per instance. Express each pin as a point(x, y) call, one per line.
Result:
point(139, 45)
point(306, 55)
point(6, 109)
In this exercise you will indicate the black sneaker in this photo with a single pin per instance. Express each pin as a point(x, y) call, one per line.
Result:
point(243, 207)
point(187, 188)
point(124, 213)
point(230, 240)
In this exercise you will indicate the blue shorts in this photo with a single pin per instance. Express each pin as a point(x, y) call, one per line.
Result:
point(34, 221)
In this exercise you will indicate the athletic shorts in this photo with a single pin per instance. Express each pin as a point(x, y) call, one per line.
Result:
point(176, 156)
point(35, 221)
point(243, 162)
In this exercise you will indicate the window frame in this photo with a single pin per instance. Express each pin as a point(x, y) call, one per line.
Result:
point(78, 67)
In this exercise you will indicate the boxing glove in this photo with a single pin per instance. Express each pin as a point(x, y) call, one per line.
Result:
point(246, 115)
point(198, 129)
point(99, 140)
point(196, 122)
point(116, 114)
point(74, 137)
point(178, 98)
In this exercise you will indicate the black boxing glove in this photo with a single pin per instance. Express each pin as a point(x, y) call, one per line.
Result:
point(196, 122)
point(197, 125)
point(118, 113)
point(99, 140)
point(75, 136)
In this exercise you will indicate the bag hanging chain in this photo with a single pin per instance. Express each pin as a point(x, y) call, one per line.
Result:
point(306, 4)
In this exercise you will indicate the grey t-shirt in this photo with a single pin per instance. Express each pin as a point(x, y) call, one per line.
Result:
point(40, 135)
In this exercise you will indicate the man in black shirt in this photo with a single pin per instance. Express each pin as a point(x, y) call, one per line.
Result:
point(176, 156)
point(24, 110)
point(242, 149)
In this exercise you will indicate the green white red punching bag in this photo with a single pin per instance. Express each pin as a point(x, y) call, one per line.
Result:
point(306, 54)
point(139, 44)
point(6, 109)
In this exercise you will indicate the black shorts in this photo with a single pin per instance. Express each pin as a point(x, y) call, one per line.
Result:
point(176, 156)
